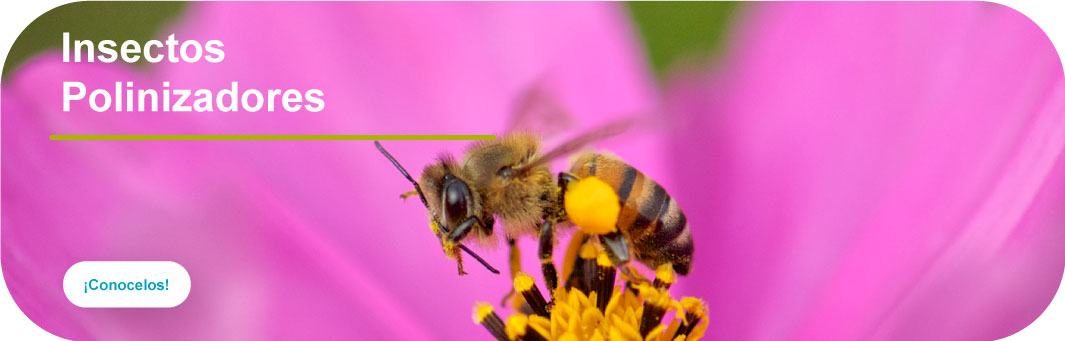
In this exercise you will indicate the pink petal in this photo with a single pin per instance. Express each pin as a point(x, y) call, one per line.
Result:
point(875, 171)
point(292, 239)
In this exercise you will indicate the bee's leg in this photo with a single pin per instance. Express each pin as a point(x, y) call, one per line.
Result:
point(515, 257)
point(563, 181)
point(547, 245)
point(458, 260)
point(462, 230)
point(547, 233)
point(404, 196)
point(452, 238)
point(617, 248)
point(565, 178)
point(515, 267)
point(452, 246)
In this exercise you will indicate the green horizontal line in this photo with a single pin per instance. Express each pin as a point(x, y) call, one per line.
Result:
point(267, 137)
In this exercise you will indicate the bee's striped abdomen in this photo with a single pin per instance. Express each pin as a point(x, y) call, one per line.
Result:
point(649, 218)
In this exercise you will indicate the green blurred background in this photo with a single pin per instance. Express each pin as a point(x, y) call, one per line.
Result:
point(676, 31)
point(671, 31)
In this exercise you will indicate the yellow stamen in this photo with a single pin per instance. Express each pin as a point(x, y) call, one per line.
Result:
point(524, 285)
point(603, 260)
point(484, 315)
point(694, 318)
point(624, 330)
point(656, 332)
point(481, 311)
point(523, 282)
point(540, 324)
point(664, 273)
point(589, 251)
point(517, 324)
point(652, 295)
point(671, 331)
point(691, 305)
point(699, 330)
point(591, 317)
point(592, 205)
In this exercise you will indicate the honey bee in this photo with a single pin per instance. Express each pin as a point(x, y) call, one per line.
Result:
point(509, 179)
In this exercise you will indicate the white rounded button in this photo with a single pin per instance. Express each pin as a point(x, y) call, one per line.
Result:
point(127, 284)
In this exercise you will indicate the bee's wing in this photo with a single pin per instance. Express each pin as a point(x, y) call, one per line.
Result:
point(537, 110)
point(610, 129)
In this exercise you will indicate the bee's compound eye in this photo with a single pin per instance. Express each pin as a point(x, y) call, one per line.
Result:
point(456, 198)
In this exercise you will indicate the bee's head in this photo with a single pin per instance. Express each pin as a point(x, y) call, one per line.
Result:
point(446, 196)
point(449, 196)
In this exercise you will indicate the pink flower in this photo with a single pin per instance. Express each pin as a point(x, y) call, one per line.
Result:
point(874, 171)
point(850, 171)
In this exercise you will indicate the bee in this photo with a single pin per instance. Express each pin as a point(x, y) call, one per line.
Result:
point(509, 179)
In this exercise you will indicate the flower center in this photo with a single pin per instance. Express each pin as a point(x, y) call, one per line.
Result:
point(591, 307)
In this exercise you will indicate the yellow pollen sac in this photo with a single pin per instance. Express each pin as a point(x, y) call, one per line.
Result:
point(523, 282)
point(435, 227)
point(481, 311)
point(592, 205)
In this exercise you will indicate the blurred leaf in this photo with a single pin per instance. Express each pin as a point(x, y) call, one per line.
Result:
point(118, 21)
point(673, 31)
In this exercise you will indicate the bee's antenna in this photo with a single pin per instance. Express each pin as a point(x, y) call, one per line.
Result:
point(479, 259)
point(404, 171)
point(426, 203)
